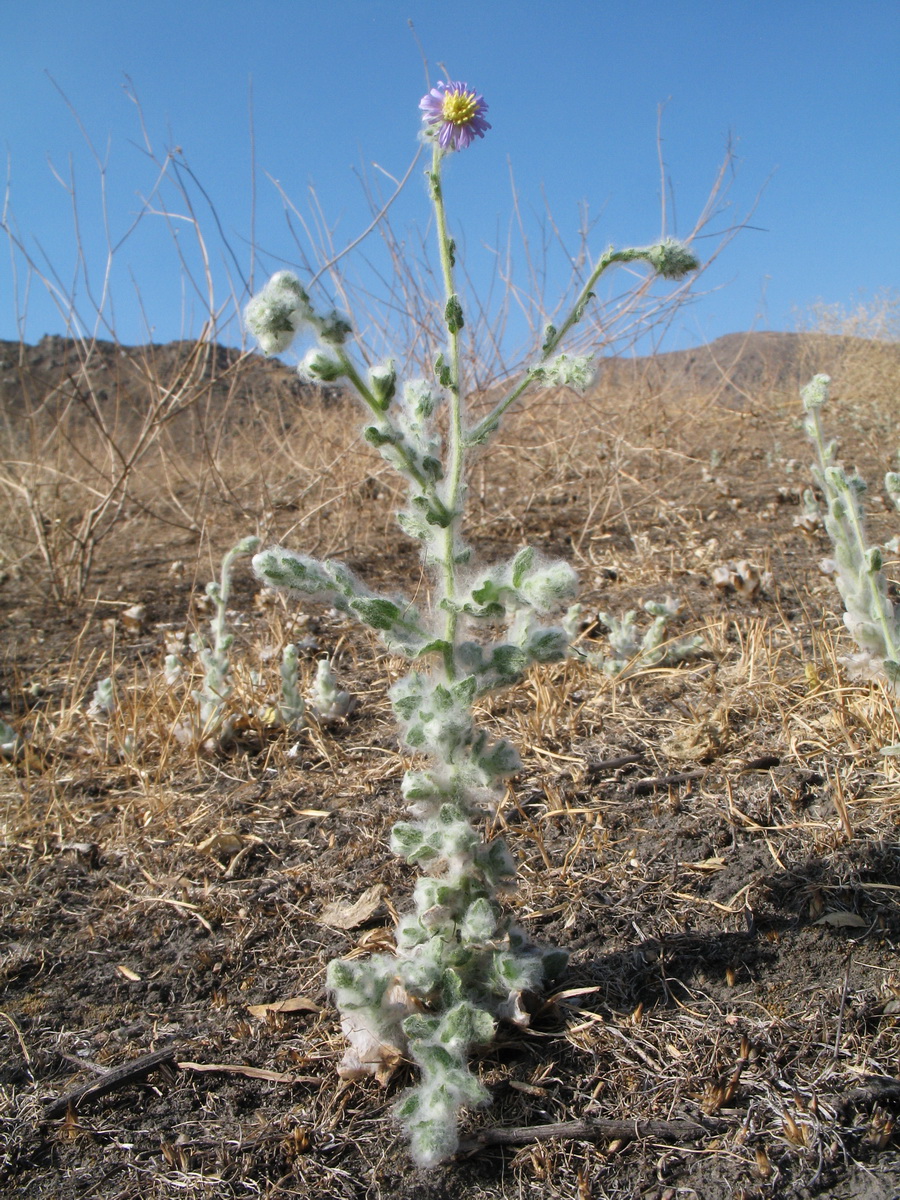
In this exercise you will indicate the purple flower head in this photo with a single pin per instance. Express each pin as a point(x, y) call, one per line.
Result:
point(454, 114)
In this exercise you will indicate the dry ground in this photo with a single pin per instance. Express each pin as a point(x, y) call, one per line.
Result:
point(715, 843)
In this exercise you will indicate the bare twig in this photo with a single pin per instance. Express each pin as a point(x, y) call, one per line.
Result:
point(116, 1078)
point(596, 1130)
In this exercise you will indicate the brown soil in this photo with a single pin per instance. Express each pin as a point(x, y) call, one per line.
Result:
point(728, 891)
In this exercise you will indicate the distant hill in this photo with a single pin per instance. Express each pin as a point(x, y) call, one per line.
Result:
point(742, 367)
point(737, 369)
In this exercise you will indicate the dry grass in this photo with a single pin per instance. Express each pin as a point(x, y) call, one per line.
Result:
point(716, 843)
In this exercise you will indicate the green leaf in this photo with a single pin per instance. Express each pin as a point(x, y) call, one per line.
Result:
point(432, 468)
point(547, 588)
point(519, 972)
point(409, 1105)
point(433, 1058)
point(419, 785)
point(415, 526)
point(436, 646)
point(451, 988)
point(406, 839)
point(500, 759)
point(579, 308)
point(487, 611)
point(453, 315)
point(450, 814)
point(340, 974)
point(488, 592)
point(343, 578)
point(421, 1027)
point(379, 437)
point(496, 862)
point(479, 922)
point(284, 568)
point(464, 690)
point(554, 962)
point(548, 645)
point(522, 564)
point(376, 612)
point(434, 511)
point(442, 371)
point(406, 707)
point(466, 1024)
point(508, 661)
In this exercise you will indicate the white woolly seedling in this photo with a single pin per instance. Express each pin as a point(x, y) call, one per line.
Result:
point(633, 651)
point(173, 671)
point(329, 702)
point(870, 617)
point(103, 703)
point(461, 964)
point(212, 696)
point(11, 743)
point(292, 707)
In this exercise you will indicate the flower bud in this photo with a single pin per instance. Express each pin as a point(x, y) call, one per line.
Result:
point(333, 328)
point(419, 399)
point(275, 314)
point(573, 371)
point(318, 367)
point(815, 393)
point(671, 259)
point(383, 382)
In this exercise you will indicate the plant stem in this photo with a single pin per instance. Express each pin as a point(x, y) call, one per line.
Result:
point(553, 340)
point(371, 403)
point(455, 433)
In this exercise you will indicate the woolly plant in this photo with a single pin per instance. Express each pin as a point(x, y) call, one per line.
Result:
point(633, 651)
point(11, 743)
point(292, 709)
point(461, 963)
point(212, 724)
point(329, 702)
point(870, 617)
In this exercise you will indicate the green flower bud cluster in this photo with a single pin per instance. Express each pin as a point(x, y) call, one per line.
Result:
point(277, 314)
point(574, 371)
point(317, 366)
point(383, 383)
point(815, 394)
point(870, 617)
point(671, 259)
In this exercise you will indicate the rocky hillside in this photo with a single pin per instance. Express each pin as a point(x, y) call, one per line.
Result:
point(57, 372)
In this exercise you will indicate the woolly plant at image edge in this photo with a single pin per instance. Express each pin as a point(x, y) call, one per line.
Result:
point(871, 618)
point(461, 963)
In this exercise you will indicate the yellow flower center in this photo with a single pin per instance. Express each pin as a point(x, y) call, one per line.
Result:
point(459, 107)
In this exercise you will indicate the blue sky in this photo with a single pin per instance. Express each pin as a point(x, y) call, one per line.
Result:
point(806, 91)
